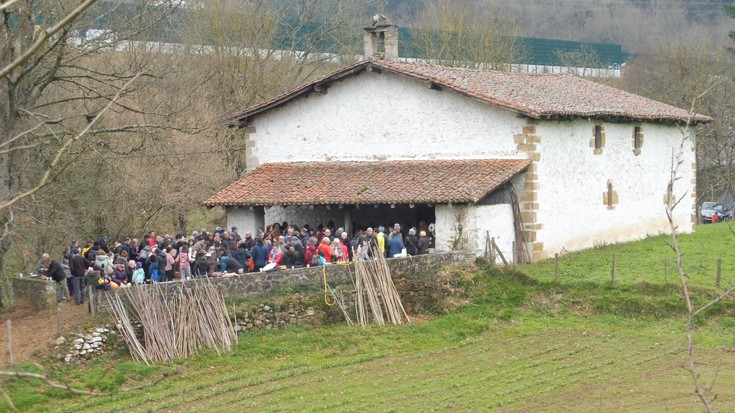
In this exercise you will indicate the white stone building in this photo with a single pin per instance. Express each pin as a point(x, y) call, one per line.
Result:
point(537, 162)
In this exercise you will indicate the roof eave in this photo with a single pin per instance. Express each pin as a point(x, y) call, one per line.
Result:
point(214, 202)
point(241, 119)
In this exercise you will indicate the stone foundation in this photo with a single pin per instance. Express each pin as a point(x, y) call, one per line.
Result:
point(256, 283)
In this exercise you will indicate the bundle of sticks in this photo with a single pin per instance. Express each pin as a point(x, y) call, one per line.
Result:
point(176, 327)
point(376, 295)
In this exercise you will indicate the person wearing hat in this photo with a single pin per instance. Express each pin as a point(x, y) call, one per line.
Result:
point(138, 274)
point(103, 244)
point(380, 238)
point(234, 234)
point(74, 247)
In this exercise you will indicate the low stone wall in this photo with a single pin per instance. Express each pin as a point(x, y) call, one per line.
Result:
point(257, 283)
point(41, 293)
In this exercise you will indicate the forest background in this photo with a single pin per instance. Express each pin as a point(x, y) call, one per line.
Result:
point(101, 133)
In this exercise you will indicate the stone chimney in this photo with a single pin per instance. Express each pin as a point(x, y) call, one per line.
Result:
point(381, 39)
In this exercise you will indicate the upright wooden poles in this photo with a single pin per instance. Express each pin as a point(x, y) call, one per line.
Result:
point(173, 327)
point(376, 292)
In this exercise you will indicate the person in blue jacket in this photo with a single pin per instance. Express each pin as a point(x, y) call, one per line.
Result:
point(395, 246)
point(260, 255)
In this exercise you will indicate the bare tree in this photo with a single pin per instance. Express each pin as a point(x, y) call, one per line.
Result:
point(57, 88)
point(580, 62)
point(703, 388)
point(466, 33)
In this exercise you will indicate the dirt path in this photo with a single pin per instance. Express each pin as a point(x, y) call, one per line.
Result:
point(33, 329)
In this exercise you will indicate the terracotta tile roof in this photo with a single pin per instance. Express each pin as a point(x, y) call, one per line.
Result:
point(536, 96)
point(385, 182)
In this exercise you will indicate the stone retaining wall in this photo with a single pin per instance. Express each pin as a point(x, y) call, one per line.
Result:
point(256, 283)
point(41, 293)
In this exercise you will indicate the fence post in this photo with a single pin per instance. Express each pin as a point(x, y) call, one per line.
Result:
point(487, 245)
point(556, 267)
point(10, 342)
point(719, 271)
point(612, 273)
point(90, 298)
point(514, 253)
point(666, 270)
point(492, 249)
point(58, 319)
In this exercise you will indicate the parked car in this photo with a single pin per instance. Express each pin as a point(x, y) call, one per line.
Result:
point(709, 208)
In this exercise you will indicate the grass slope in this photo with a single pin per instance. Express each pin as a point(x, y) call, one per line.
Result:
point(524, 343)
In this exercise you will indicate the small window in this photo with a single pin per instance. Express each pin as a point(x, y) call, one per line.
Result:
point(598, 137)
point(637, 140)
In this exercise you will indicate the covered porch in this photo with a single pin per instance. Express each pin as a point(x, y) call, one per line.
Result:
point(465, 200)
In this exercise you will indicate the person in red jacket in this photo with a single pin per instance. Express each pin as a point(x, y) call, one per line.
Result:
point(326, 249)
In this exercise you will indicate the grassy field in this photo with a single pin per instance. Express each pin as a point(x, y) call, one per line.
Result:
point(524, 343)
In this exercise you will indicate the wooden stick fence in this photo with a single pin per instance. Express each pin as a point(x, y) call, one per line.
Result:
point(173, 327)
point(615, 264)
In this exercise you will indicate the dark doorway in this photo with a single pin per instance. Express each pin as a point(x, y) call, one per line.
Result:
point(370, 216)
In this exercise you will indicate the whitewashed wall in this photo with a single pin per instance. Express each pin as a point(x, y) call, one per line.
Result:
point(387, 117)
point(573, 180)
point(296, 215)
point(245, 219)
point(477, 221)
point(382, 116)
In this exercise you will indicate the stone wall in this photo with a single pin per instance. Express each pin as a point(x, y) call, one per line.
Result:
point(257, 283)
point(41, 293)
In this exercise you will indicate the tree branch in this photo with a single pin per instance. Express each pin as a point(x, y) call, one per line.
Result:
point(671, 203)
point(8, 4)
point(715, 301)
point(68, 19)
point(66, 387)
point(46, 176)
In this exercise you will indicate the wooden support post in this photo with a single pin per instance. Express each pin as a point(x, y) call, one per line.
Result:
point(348, 221)
point(492, 249)
point(666, 270)
point(10, 342)
point(515, 258)
point(719, 271)
point(58, 319)
point(90, 298)
point(612, 273)
point(499, 252)
point(487, 245)
point(556, 267)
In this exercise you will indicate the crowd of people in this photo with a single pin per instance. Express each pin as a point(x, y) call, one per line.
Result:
point(161, 258)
